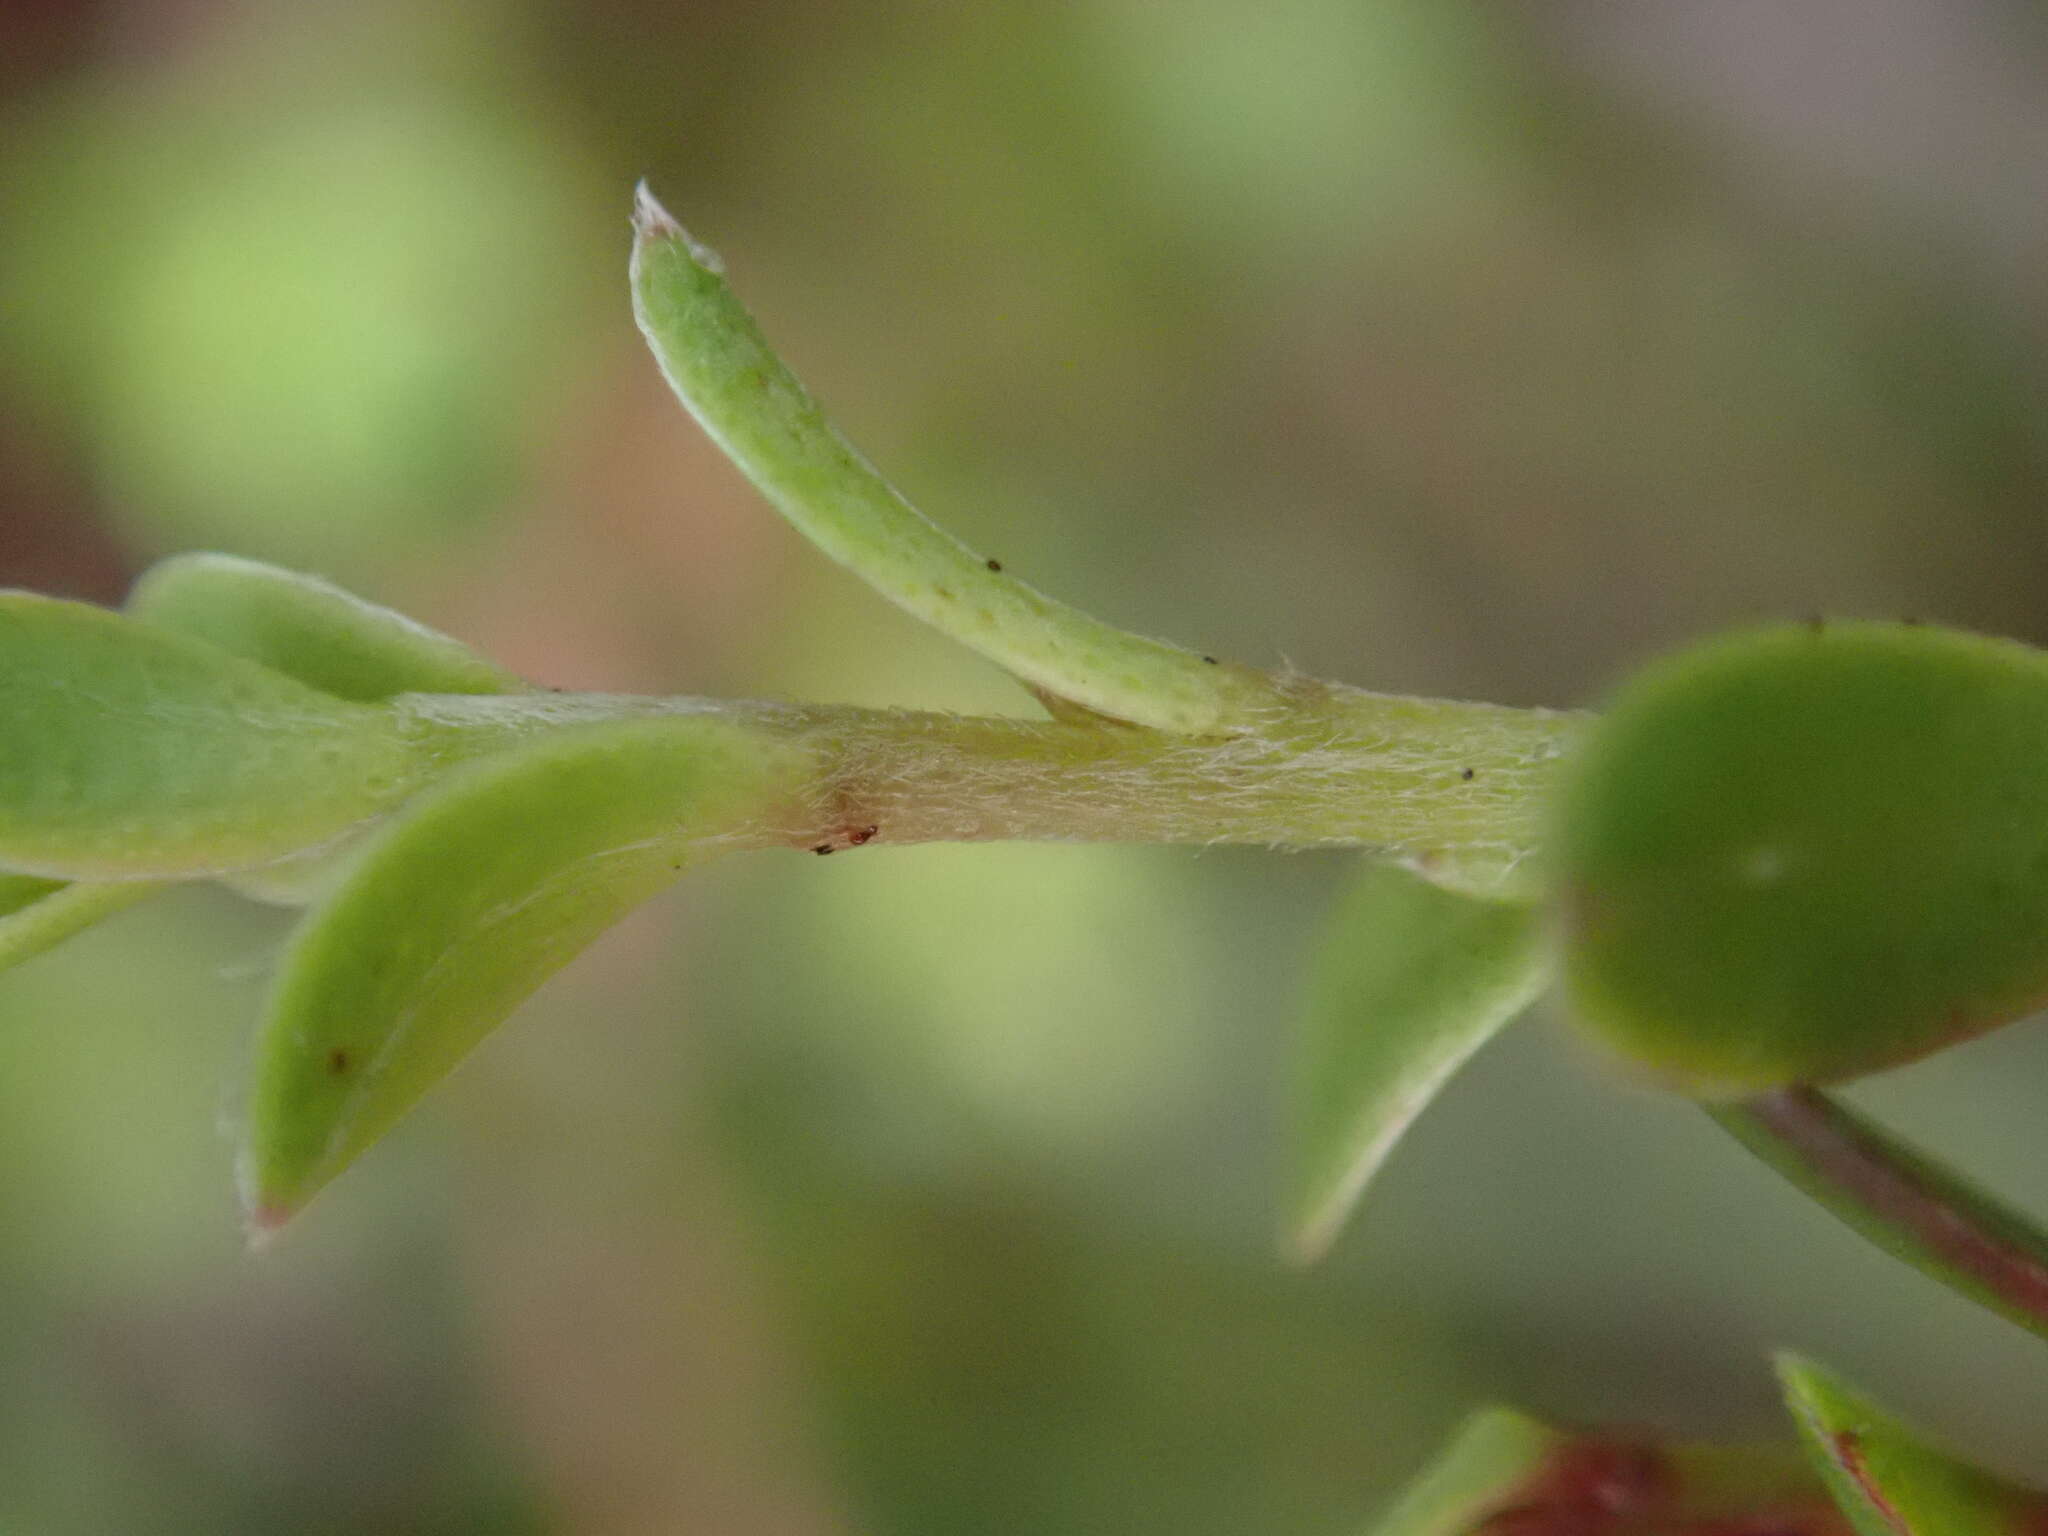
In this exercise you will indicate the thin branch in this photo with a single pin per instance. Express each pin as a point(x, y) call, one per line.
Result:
point(1457, 788)
point(1910, 1205)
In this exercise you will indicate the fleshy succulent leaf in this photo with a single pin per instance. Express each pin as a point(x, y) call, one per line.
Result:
point(465, 903)
point(130, 751)
point(1805, 853)
point(1886, 1479)
point(327, 638)
point(723, 370)
point(1410, 982)
point(309, 629)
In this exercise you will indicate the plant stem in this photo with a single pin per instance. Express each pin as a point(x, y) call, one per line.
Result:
point(1458, 789)
point(1901, 1199)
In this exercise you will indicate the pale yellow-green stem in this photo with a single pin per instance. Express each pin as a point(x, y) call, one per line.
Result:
point(1457, 789)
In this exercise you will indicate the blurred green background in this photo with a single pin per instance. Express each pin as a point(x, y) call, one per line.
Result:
point(1466, 350)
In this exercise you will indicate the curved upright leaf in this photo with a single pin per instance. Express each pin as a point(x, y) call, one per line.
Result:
point(722, 368)
point(1887, 1481)
point(1412, 979)
point(462, 906)
point(309, 629)
point(128, 751)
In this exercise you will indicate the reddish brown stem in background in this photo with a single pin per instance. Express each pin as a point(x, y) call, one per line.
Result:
point(1901, 1199)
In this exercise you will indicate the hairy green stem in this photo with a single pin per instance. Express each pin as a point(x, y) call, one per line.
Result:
point(1456, 788)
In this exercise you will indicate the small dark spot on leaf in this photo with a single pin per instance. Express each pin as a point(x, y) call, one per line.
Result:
point(1466, 774)
point(945, 592)
point(821, 849)
point(337, 1062)
point(1210, 659)
point(995, 565)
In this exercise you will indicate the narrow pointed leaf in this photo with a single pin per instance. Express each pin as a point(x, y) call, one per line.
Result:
point(723, 370)
point(1484, 1468)
point(1411, 980)
point(1901, 1199)
point(1888, 1481)
point(462, 906)
point(127, 750)
point(309, 629)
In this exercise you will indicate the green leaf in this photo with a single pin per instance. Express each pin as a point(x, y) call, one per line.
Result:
point(1410, 982)
point(21, 891)
point(309, 629)
point(324, 636)
point(1907, 1203)
point(723, 370)
point(1886, 1480)
point(128, 751)
point(462, 906)
point(1488, 1462)
point(1806, 853)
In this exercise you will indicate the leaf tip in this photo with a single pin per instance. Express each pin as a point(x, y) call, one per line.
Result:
point(263, 1221)
point(654, 224)
point(1312, 1220)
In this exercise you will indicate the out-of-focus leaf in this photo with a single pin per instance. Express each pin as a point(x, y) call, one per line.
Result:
point(1411, 981)
point(1806, 853)
point(465, 904)
point(1887, 1480)
point(309, 629)
point(128, 751)
point(1493, 1456)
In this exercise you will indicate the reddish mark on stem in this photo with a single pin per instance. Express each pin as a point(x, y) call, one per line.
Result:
point(847, 837)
